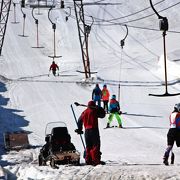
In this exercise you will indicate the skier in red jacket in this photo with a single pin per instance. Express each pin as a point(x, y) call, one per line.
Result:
point(54, 67)
point(89, 118)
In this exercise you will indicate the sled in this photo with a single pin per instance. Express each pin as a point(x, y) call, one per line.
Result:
point(16, 140)
point(58, 148)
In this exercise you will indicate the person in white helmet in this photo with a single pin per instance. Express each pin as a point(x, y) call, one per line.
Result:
point(173, 134)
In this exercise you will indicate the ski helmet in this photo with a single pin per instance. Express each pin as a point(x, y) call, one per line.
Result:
point(177, 107)
point(113, 96)
point(91, 104)
point(105, 86)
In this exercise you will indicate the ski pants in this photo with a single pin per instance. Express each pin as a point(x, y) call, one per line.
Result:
point(93, 154)
point(97, 98)
point(54, 72)
point(105, 105)
point(118, 117)
point(173, 136)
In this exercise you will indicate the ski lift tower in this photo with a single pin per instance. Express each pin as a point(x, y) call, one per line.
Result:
point(163, 26)
point(83, 31)
point(4, 14)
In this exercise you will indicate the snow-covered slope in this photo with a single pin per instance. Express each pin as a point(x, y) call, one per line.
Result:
point(30, 99)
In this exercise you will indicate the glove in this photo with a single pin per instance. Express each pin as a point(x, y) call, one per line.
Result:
point(78, 131)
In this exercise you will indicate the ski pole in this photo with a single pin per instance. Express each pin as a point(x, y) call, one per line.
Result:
point(49, 73)
point(77, 104)
point(77, 126)
point(101, 111)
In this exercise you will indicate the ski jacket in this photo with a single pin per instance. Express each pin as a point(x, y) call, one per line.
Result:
point(96, 94)
point(53, 67)
point(89, 118)
point(114, 106)
point(175, 120)
point(105, 94)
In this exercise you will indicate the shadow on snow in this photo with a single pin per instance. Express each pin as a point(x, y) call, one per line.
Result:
point(9, 121)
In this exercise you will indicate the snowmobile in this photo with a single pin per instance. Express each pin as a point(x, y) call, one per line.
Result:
point(58, 148)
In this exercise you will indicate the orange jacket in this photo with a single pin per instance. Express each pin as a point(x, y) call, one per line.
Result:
point(105, 94)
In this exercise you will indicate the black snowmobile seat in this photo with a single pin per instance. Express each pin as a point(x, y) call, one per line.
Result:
point(60, 137)
point(60, 133)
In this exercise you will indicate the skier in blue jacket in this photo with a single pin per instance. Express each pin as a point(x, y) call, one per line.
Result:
point(96, 95)
point(114, 110)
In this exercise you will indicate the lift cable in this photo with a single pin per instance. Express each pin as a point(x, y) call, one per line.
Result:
point(121, 24)
point(132, 14)
point(151, 14)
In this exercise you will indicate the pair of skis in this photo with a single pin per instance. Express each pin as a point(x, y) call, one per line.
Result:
point(53, 74)
point(113, 127)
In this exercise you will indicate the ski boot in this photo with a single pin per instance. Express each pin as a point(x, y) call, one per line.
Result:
point(165, 160)
point(120, 126)
point(102, 162)
point(107, 125)
point(172, 158)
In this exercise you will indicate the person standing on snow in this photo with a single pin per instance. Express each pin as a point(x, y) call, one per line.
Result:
point(96, 95)
point(114, 109)
point(173, 134)
point(54, 67)
point(105, 97)
point(89, 118)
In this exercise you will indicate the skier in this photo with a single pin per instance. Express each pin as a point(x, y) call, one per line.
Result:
point(96, 95)
point(114, 109)
point(105, 97)
point(54, 67)
point(173, 134)
point(89, 118)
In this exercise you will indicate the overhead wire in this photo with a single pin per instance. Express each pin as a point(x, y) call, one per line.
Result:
point(151, 14)
point(132, 14)
point(131, 26)
point(109, 23)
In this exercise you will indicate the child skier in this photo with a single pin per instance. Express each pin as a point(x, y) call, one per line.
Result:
point(173, 134)
point(114, 109)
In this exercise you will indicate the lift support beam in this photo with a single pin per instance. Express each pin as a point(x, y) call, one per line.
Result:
point(4, 14)
point(83, 35)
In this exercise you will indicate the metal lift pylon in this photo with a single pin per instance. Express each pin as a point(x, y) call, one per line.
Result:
point(4, 14)
point(83, 31)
